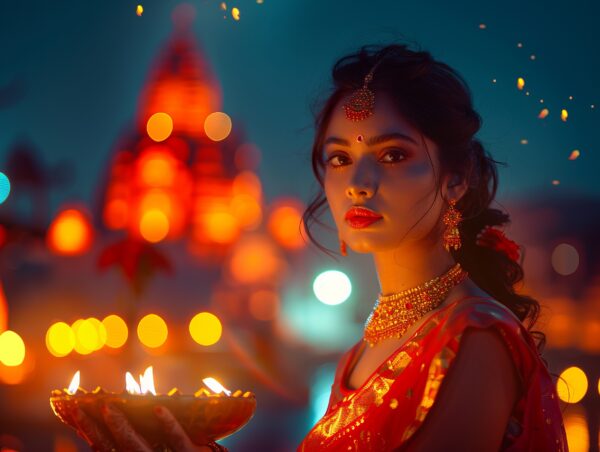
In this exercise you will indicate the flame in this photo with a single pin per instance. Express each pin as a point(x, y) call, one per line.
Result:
point(574, 154)
point(139, 10)
point(147, 381)
point(543, 113)
point(520, 83)
point(564, 114)
point(74, 385)
point(132, 386)
point(215, 386)
point(235, 13)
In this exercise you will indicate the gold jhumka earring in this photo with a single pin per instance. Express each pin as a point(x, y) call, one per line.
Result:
point(452, 217)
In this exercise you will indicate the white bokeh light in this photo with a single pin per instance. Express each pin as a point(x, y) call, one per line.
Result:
point(332, 287)
point(565, 259)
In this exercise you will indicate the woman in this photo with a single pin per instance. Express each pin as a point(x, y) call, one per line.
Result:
point(445, 362)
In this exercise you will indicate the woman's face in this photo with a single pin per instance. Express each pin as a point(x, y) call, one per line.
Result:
point(382, 163)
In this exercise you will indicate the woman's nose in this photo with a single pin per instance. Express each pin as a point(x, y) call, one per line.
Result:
point(362, 183)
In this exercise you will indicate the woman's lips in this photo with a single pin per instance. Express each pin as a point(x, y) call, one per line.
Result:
point(359, 222)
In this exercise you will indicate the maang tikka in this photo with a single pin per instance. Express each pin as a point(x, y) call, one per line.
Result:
point(361, 104)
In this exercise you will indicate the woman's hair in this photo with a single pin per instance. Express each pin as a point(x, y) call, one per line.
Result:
point(436, 100)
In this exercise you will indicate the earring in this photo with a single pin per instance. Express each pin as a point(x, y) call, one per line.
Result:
point(451, 234)
point(343, 248)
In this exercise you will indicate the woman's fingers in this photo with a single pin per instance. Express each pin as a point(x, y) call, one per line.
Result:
point(91, 431)
point(124, 434)
point(176, 436)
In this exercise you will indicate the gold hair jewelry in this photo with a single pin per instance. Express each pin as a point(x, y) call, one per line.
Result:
point(393, 314)
point(361, 103)
point(451, 219)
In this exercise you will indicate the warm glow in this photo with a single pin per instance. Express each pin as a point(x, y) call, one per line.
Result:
point(217, 126)
point(147, 381)
point(139, 10)
point(520, 83)
point(543, 113)
point(254, 260)
point(3, 309)
point(12, 349)
point(572, 385)
point(157, 169)
point(60, 339)
point(220, 225)
point(332, 287)
point(132, 386)
point(564, 114)
point(116, 331)
point(285, 224)
point(156, 200)
point(246, 210)
point(116, 214)
point(235, 13)
point(154, 226)
point(70, 233)
point(576, 428)
point(152, 331)
point(206, 328)
point(574, 154)
point(247, 183)
point(215, 386)
point(159, 126)
point(74, 385)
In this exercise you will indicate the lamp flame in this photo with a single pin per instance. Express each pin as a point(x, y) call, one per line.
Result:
point(132, 386)
point(74, 385)
point(147, 381)
point(215, 386)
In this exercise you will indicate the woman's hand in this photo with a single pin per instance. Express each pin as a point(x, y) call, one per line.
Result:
point(117, 433)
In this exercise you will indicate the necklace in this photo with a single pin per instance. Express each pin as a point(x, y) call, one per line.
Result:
point(393, 314)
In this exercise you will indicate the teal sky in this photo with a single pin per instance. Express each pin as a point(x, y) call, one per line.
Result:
point(82, 65)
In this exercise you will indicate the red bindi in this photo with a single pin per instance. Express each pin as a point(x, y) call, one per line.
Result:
point(359, 138)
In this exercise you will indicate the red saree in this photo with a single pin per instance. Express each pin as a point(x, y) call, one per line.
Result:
point(390, 406)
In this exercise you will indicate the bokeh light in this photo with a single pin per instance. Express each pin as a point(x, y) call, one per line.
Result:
point(60, 339)
point(152, 331)
point(285, 225)
point(217, 126)
point(255, 259)
point(220, 225)
point(154, 226)
point(12, 349)
point(264, 304)
point(246, 210)
point(565, 259)
point(577, 430)
point(70, 233)
point(159, 126)
point(205, 328)
point(4, 187)
point(86, 336)
point(572, 385)
point(116, 331)
point(332, 287)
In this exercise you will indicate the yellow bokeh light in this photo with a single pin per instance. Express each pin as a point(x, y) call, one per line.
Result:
point(217, 126)
point(206, 328)
point(86, 336)
point(12, 349)
point(116, 331)
point(220, 226)
point(235, 13)
point(157, 200)
point(520, 83)
point(572, 385)
point(159, 126)
point(152, 331)
point(154, 225)
point(139, 10)
point(60, 339)
point(70, 233)
point(100, 332)
point(564, 114)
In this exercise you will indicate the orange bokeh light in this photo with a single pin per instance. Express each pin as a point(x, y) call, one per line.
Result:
point(116, 214)
point(154, 225)
point(159, 126)
point(220, 225)
point(157, 169)
point(70, 233)
point(255, 260)
point(285, 225)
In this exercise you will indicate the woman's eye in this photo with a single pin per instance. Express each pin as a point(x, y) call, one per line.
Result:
point(395, 156)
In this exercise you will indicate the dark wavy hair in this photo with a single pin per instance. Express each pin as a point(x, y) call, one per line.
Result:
point(436, 100)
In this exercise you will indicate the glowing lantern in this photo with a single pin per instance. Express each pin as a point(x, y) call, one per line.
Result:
point(12, 349)
point(159, 126)
point(217, 126)
point(572, 385)
point(152, 331)
point(205, 328)
point(70, 233)
point(60, 339)
point(116, 331)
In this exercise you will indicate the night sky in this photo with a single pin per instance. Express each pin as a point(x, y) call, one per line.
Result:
point(75, 70)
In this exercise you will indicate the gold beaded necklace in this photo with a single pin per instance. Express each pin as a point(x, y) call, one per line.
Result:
point(393, 314)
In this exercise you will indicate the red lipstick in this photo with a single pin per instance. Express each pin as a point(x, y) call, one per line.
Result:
point(360, 217)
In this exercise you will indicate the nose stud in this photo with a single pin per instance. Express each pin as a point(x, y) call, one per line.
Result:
point(359, 138)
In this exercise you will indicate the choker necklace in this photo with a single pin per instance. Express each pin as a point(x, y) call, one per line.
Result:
point(393, 314)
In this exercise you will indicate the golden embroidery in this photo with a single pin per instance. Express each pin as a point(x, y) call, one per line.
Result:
point(394, 404)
